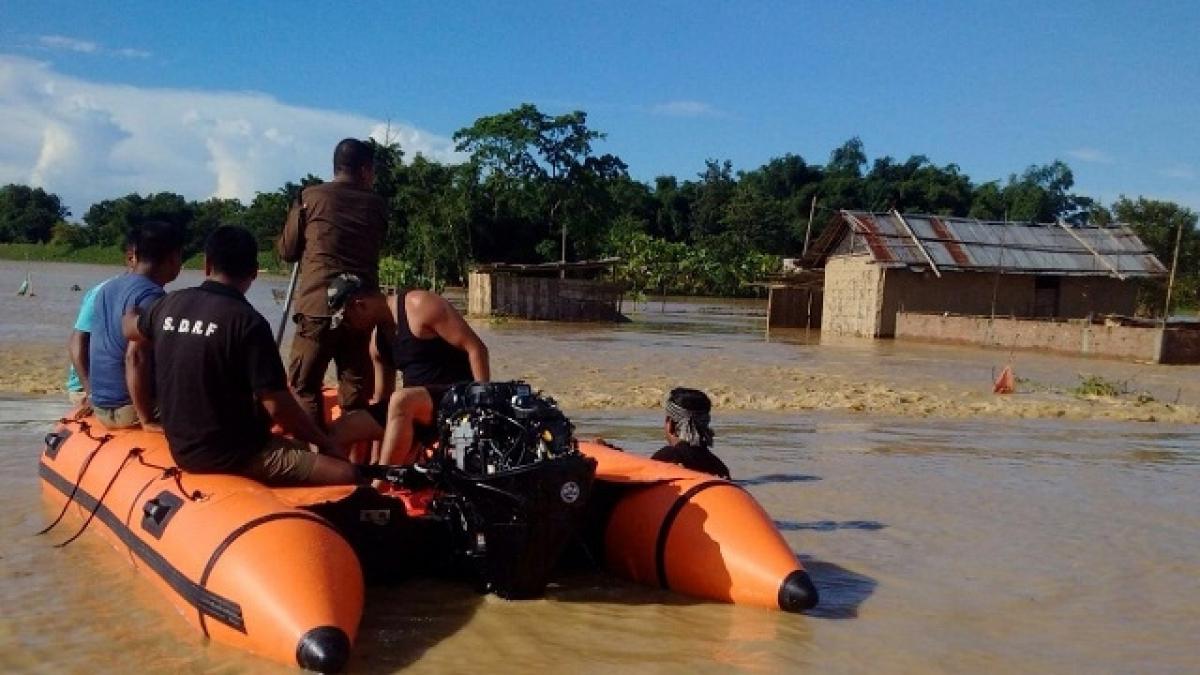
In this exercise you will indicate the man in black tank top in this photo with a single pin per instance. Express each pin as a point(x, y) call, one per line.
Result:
point(419, 334)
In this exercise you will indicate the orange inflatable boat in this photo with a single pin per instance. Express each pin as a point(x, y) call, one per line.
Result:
point(238, 561)
point(666, 526)
point(280, 572)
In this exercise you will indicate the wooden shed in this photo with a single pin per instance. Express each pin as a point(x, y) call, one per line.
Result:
point(574, 291)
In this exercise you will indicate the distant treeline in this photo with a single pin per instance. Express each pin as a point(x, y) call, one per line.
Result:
point(532, 177)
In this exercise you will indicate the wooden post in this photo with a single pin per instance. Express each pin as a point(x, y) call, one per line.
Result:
point(920, 246)
point(1091, 250)
point(999, 264)
point(808, 228)
point(1171, 280)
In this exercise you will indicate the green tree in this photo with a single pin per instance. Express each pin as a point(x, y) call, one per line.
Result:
point(987, 202)
point(435, 200)
point(526, 157)
point(841, 184)
point(29, 214)
point(917, 186)
point(110, 220)
point(710, 197)
point(1156, 224)
point(208, 215)
point(265, 215)
point(1042, 194)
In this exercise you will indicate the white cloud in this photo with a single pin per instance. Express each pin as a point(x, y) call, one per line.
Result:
point(1091, 155)
point(685, 109)
point(131, 53)
point(1180, 171)
point(69, 44)
point(89, 141)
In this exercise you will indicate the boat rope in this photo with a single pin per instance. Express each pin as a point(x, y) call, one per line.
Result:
point(133, 452)
point(176, 473)
point(84, 428)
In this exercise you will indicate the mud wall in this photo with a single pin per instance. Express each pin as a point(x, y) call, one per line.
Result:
point(853, 294)
point(542, 298)
point(1015, 295)
point(1068, 337)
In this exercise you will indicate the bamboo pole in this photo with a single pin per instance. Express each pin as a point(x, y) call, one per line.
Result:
point(1091, 250)
point(1171, 279)
point(917, 241)
point(999, 264)
point(808, 228)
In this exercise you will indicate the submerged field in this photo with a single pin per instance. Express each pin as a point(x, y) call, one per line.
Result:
point(946, 530)
point(718, 345)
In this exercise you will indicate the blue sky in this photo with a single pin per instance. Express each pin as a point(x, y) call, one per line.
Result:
point(232, 97)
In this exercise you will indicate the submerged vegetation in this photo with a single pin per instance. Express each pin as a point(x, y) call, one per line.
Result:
point(534, 189)
point(1095, 386)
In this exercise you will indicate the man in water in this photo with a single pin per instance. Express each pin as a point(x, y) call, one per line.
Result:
point(421, 335)
point(689, 436)
point(337, 228)
point(159, 257)
point(220, 380)
point(81, 335)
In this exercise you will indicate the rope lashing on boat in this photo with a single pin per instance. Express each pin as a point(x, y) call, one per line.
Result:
point(85, 429)
point(133, 452)
point(176, 473)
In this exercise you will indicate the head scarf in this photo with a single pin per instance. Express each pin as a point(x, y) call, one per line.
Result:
point(689, 409)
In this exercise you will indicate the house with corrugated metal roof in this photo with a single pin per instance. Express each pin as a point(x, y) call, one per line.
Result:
point(879, 265)
point(1058, 287)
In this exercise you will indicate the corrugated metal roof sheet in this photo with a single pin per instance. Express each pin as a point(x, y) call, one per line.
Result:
point(962, 244)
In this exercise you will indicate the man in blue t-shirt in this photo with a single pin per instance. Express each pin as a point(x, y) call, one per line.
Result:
point(80, 342)
point(159, 257)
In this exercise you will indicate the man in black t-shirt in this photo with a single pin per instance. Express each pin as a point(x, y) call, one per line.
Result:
point(419, 334)
point(688, 432)
point(220, 380)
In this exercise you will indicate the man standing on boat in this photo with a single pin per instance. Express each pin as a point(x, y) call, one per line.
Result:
point(421, 335)
point(337, 228)
point(114, 398)
point(220, 380)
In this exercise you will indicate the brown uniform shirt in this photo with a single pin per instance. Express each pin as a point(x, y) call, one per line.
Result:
point(344, 232)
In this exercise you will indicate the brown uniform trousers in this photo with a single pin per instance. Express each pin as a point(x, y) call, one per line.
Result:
point(315, 345)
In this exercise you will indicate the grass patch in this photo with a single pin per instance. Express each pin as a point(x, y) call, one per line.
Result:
point(95, 255)
point(1095, 386)
point(110, 255)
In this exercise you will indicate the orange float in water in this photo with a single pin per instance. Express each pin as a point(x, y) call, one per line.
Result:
point(695, 534)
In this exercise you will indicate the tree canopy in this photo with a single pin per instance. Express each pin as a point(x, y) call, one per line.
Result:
point(535, 187)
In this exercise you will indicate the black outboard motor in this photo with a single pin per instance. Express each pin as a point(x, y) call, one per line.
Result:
point(514, 484)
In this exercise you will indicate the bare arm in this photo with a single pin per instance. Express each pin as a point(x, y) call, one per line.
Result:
point(436, 314)
point(77, 349)
point(286, 412)
point(137, 378)
point(129, 325)
point(385, 374)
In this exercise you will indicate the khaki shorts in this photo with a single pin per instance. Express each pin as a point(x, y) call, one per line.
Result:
point(117, 418)
point(76, 397)
point(284, 461)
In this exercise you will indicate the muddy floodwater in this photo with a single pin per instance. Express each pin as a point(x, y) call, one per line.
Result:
point(943, 540)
